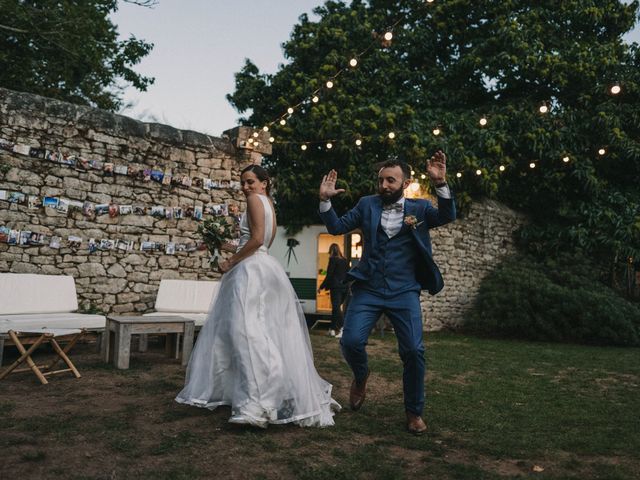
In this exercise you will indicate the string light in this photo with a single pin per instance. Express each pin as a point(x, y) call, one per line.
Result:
point(483, 121)
point(602, 151)
point(501, 168)
point(358, 142)
point(436, 131)
point(329, 145)
point(412, 173)
point(265, 128)
point(565, 159)
point(478, 172)
point(532, 165)
point(250, 140)
point(423, 176)
point(615, 89)
point(271, 139)
point(353, 62)
point(392, 135)
point(315, 99)
point(283, 121)
point(256, 144)
point(543, 108)
point(255, 134)
point(459, 175)
point(289, 110)
point(388, 36)
point(303, 147)
point(329, 84)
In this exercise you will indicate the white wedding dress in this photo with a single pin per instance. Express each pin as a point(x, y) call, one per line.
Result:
point(253, 353)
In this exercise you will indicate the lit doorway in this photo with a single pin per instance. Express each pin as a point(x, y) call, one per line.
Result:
point(351, 246)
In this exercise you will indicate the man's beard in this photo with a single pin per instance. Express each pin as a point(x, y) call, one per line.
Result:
point(392, 197)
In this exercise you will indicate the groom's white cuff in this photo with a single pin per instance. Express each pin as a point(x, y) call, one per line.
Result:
point(325, 205)
point(443, 192)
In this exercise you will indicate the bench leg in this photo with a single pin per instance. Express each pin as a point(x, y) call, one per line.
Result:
point(143, 342)
point(187, 342)
point(122, 347)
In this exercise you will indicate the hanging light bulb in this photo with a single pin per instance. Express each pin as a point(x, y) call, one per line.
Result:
point(250, 140)
point(353, 62)
point(388, 36)
point(303, 147)
point(329, 145)
point(358, 142)
point(501, 168)
point(615, 89)
point(483, 121)
point(459, 175)
point(289, 110)
point(255, 134)
point(329, 84)
point(271, 139)
point(565, 159)
point(602, 151)
point(436, 131)
point(283, 121)
point(412, 173)
point(543, 108)
point(478, 172)
point(423, 176)
point(315, 99)
point(265, 128)
point(392, 135)
point(532, 165)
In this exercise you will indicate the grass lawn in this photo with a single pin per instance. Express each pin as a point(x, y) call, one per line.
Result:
point(495, 409)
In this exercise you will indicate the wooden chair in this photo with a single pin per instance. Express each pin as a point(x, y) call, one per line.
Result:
point(37, 338)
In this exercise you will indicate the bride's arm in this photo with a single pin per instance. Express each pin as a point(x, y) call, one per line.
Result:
point(255, 215)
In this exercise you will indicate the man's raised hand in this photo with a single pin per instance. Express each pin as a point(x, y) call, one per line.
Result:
point(437, 167)
point(328, 186)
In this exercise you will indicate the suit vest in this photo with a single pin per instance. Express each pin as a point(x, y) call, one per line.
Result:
point(394, 263)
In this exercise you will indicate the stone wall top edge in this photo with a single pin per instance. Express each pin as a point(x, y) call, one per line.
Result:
point(88, 117)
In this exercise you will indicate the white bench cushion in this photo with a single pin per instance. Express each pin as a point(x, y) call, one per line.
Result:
point(198, 318)
point(30, 322)
point(185, 296)
point(29, 293)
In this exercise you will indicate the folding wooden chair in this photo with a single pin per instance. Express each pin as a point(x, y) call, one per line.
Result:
point(37, 338)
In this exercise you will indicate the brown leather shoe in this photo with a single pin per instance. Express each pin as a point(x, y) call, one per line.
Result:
point(415, 424)
point(358, 392)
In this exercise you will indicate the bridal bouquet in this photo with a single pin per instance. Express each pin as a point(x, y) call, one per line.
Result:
point(215, 233)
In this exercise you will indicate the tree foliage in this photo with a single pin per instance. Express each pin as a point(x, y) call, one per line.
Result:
point(449, 64)
point(68, 50)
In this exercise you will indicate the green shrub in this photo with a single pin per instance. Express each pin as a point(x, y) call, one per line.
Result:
point(560, 300)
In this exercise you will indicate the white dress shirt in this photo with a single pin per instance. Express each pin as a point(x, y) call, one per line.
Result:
point(391, 220)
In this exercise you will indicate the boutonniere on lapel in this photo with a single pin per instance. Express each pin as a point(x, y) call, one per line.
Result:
point(412, 221)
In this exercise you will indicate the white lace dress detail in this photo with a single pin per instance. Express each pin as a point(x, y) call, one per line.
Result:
point(254, 352)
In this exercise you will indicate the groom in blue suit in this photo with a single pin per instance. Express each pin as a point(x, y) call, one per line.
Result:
point(396, 265)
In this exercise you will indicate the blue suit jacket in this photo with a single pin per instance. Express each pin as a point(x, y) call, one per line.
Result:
point(366, 217)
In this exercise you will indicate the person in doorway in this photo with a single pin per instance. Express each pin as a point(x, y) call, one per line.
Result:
point(396, 264)
point(335, 282)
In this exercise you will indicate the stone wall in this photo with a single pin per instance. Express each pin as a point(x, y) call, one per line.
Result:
point(466, 250)
point(119, 281)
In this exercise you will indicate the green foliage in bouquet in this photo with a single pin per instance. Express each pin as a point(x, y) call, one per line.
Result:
point(555, 299)
point(215, 232)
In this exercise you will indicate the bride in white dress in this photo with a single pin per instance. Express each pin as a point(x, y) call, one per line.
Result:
point(253, 353)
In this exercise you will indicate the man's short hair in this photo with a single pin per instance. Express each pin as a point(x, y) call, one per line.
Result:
point(395, 162)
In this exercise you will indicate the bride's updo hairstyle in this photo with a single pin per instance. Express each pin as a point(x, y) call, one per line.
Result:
point(260, 173)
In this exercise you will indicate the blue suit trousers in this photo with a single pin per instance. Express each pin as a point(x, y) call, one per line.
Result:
point(405, 314)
